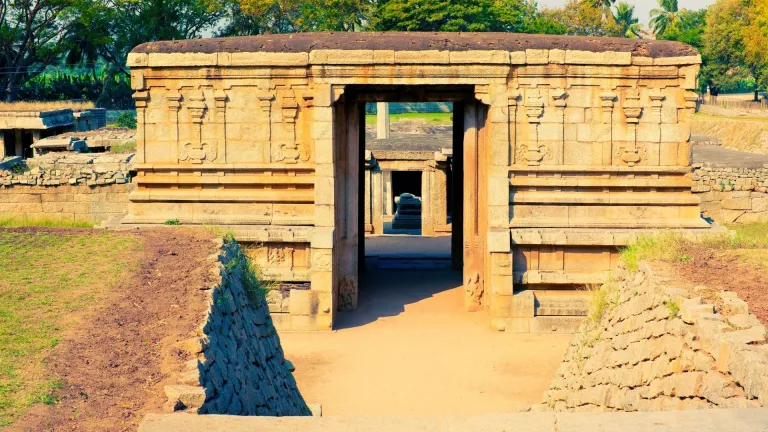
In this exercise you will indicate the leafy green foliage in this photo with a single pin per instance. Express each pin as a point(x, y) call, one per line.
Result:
point(126, 120)
point(452, 15)
point(172, 222)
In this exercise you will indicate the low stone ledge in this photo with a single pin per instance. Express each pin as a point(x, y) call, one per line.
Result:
point(658, 347)
point(742, 420)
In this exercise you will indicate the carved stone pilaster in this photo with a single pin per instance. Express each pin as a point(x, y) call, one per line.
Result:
point(197, 151)
point(220, 98)
point(513, 101)
point(265, 103)
point(174, 106)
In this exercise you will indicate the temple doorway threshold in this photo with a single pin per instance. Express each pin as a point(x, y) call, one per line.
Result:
point(412, 349)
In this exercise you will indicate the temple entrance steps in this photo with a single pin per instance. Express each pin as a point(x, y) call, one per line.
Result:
point(565, 304)
point(743, 420)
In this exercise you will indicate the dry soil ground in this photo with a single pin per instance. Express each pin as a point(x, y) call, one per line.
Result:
point(113, 364)
point(742, 271)
point(410, 349)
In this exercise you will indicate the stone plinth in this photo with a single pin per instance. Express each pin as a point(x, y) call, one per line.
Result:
point(408, 214)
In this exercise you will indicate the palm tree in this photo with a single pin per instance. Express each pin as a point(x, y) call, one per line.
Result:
point(625, 18)
point(665, 16)
point(605, 5)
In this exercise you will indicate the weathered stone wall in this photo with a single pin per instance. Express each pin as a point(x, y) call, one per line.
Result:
point(656, 348)
point(731, 195)
point(238, 366)
point(65, 202)
point(66, 186)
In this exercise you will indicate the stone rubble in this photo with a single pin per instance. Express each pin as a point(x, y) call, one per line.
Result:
point(237, 365)
point(730, 195)
point(62, 168)
point(659, 349)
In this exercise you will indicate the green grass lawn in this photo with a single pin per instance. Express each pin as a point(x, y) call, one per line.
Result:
point(440, 118)
point(49, 279)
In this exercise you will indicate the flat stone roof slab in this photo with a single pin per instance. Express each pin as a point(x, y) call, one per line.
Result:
point(417, 41)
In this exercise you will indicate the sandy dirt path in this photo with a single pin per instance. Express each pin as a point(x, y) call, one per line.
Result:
point(410, 349)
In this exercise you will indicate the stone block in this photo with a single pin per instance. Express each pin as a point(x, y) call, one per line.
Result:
point(303, 302)
point(523, 305)
point(181, 397)
point(737, 203)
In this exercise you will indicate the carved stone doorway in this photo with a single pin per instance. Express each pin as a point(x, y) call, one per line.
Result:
point(469, 176)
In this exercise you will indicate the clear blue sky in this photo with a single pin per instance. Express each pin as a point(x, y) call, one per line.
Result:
point(642, 7)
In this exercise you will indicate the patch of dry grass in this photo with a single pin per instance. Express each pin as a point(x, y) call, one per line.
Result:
point(49, 279)
point(44, 105)
point(747, 134)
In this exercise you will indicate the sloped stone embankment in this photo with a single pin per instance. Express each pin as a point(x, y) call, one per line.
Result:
point(657, 347)
point(238, 366)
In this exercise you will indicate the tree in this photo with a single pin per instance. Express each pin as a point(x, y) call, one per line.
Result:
point(625, 18)
point(689, 28)
point(723, 45)
point(33, 35)
point(452, 15)
point(585, 18)
point(286, 16)
point(664, 16)
point(756, 44)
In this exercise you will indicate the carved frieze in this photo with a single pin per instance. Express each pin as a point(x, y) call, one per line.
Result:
point(198, 152)
point(631, 155)
point(533, 154)
point(632, 107)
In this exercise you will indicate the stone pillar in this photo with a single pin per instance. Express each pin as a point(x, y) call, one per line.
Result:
point(388, 198)
point(427, 221)
point(499, 286)
point(377, 195)
point(382, 120)
point(323, 238)
point(2, 145)
point(35, 138)
point(368, 192)
point(440, 190)
point(19, 142)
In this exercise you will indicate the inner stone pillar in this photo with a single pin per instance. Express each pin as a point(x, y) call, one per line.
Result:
point(2, 145)
point(440, 190)
point(427, 218)
point(377, 195)
point(368, 192)
point(388, 198)
point(382, 120)
point(19, 142)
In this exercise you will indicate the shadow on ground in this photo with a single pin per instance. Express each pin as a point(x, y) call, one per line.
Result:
point(385, 293)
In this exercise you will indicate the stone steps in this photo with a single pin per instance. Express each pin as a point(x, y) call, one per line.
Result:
point(709, 420)
point(562, 305)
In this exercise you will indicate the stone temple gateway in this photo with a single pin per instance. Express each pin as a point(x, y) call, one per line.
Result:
point(566, 149)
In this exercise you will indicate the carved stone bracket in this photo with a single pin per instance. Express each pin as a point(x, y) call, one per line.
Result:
point(607, 99)
point(632, 107)
point(197, 107)
point(657, 100)
point(483, 94)
point(534, 106)
point(691, 98)
point(558, 100)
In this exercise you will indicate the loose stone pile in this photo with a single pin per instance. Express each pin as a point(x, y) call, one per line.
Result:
point(658, 349)
point(63, 168)
point(238, 367)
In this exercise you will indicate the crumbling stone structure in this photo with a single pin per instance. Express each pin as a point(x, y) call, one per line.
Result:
point(20, 129)
point(565, 148)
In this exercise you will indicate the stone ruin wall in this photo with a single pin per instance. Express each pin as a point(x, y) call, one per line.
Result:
point(236, 364)
point(732, 195)
point(662, 348)
point(66, 186)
